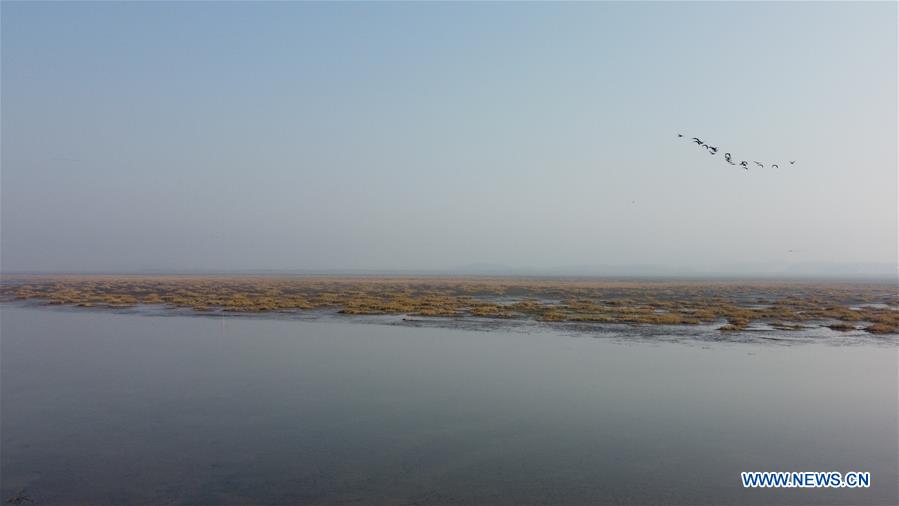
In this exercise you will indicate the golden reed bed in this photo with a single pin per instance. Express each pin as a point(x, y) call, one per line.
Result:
point(786, 306)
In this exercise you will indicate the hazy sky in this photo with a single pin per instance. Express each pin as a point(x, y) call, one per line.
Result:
point(412, 136)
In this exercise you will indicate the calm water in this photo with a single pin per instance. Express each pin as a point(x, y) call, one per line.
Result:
point(102, 408)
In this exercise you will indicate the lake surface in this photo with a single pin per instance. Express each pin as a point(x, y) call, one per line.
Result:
point(104, 408)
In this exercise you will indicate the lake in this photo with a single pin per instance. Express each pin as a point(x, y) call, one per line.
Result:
point(100, 407)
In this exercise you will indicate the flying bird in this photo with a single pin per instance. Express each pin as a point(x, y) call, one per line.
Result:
point(728, 157)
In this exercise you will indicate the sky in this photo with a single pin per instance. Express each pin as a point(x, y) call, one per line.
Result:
point(448, 136)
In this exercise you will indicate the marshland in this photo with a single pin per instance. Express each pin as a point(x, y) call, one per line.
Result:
point(734, 305)
point(447, 253)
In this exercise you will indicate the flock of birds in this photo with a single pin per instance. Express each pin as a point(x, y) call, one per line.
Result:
point(713, 150)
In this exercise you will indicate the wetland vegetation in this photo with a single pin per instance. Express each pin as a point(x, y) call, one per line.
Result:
point(736, 305)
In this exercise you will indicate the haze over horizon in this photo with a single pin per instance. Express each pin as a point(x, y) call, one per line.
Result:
point(884, 272)
point(438, 137)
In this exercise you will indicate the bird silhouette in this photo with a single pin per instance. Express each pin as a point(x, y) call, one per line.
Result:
point(728, 157)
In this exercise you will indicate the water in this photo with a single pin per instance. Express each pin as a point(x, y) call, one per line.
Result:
point(103, 408)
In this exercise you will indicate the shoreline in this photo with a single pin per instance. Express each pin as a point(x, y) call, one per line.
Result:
point(628, 333)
